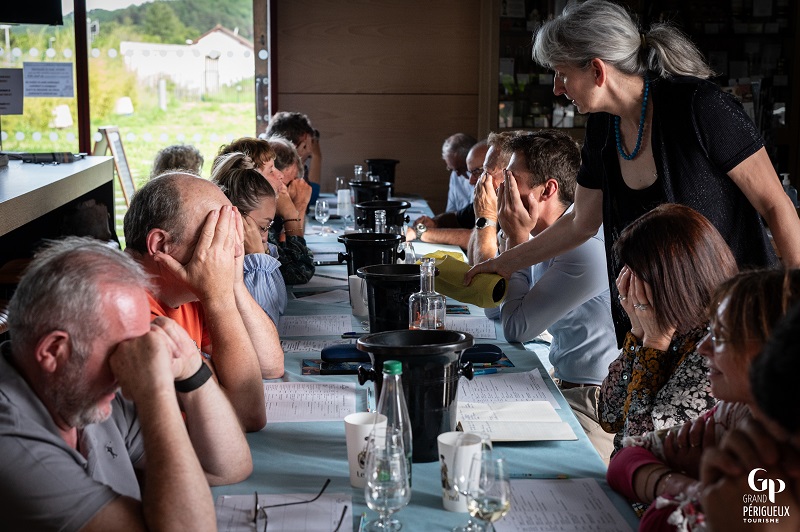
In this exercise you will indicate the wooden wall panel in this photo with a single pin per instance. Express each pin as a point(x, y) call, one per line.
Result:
point(409, 128)
point(382, 79)
point(379, 46)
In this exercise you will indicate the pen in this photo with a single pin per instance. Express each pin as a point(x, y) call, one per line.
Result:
point(484, 371)
point(482, 364)
point(362, 521)
point(353, 334)
point(559, 476)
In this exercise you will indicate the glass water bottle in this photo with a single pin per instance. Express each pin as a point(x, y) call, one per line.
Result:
point(426, 308)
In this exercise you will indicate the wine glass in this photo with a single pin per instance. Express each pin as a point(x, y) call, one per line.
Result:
point(387, 489)
point(365, 299)
point(321, 214)
point(462, 464)
point(488, 490)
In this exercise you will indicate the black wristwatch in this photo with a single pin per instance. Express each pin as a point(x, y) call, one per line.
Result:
point(482, 222)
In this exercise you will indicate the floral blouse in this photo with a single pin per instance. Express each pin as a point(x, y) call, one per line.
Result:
point(297, 261)
point(647, 389)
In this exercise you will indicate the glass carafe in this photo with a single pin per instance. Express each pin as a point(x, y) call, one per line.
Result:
point(426, 308)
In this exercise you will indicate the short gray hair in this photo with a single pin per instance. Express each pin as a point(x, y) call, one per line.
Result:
point(62, 289)
point(458, 144)
point(285, 154)
point(157, 204)
point(605, 30)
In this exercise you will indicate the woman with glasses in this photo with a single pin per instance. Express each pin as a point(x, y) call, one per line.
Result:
point(236, 174)
point(658, 131)
point(673, 259)
point(666, 463)
point(277, 161)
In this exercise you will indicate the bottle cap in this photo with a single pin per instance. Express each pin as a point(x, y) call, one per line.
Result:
point(392, 367)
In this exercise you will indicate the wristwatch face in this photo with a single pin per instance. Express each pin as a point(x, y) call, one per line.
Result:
point(421, 228)
point(482, 222)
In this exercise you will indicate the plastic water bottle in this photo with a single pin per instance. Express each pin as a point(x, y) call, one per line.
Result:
point(392, 404)
point(789, 189)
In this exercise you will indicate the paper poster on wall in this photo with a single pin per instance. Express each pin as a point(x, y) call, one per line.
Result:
point(48, 80)
point(11, 91)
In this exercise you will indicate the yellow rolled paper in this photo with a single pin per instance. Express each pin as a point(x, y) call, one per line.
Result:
point(486, 291)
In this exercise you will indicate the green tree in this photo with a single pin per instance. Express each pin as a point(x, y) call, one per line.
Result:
point(160, 21)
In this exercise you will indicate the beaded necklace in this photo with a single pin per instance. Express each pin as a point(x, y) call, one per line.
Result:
point(635, 151)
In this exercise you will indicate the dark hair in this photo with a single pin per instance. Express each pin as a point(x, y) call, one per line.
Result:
point(62, 290)
point(239, 180)
point(259, 150)
point(683, 258)
point(605, 30)
point(289, 125)
point(774, 372)
point(177, 157)
point(757, 300)
point(157, 204)
point(550, 154)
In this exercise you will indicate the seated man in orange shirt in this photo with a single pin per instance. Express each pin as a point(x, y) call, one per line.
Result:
point(188, 236)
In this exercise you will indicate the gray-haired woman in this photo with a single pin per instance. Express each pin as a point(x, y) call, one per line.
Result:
point(659, 132)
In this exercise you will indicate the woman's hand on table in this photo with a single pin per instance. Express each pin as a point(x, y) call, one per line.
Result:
point(684, 446)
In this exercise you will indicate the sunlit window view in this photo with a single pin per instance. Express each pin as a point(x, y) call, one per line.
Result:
point(160, 72)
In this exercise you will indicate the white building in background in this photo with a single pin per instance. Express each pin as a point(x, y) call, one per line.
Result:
point(218, 57)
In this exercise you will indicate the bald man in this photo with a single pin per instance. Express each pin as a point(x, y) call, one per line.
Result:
point(453, 227)
point(187, 235)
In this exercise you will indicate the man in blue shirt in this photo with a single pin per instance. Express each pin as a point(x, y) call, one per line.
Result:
point(567, 295)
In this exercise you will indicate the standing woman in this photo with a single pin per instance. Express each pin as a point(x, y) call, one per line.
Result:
point(658, 132)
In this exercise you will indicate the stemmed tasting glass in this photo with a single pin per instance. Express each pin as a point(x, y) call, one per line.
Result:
point(462, 466)
point(365, 299)
point(387, 489)
point(488, 490)
point(321, 214)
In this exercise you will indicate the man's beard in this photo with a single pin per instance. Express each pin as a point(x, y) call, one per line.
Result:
point(70, 395)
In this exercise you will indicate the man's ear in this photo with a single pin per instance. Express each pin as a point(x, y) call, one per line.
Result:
point(53, 350)
point(157, 241)
point(600, 71)
point(550, 189)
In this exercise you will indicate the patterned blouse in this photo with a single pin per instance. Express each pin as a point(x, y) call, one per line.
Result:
point(647, 389)
point(297, 261)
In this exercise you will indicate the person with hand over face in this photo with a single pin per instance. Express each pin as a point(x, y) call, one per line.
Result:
point(185, 232)
point(236, 175)
point(75, 453)
point(673, 259)
point(743, 311)
point(658, 132)
point(297, 128)
point(567, 295)
point(277, 160)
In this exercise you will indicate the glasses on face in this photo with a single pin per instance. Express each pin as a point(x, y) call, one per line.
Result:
point(717, 340)
point(477, 172)
point(263, 229)
point(261, 511)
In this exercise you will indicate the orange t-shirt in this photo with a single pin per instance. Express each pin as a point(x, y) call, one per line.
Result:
point(189, 316)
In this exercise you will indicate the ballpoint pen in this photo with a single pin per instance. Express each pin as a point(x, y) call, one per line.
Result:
point(484, 371)
point(353, 334)
point(539, 476)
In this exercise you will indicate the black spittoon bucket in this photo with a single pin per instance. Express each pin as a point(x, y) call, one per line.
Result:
point(383, 167)
point(388, 288)
point(366, 249)
point(369, 190)
point(395, 213)
point(431, 368)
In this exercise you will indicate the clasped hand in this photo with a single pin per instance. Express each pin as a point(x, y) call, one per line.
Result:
point(151, 363)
